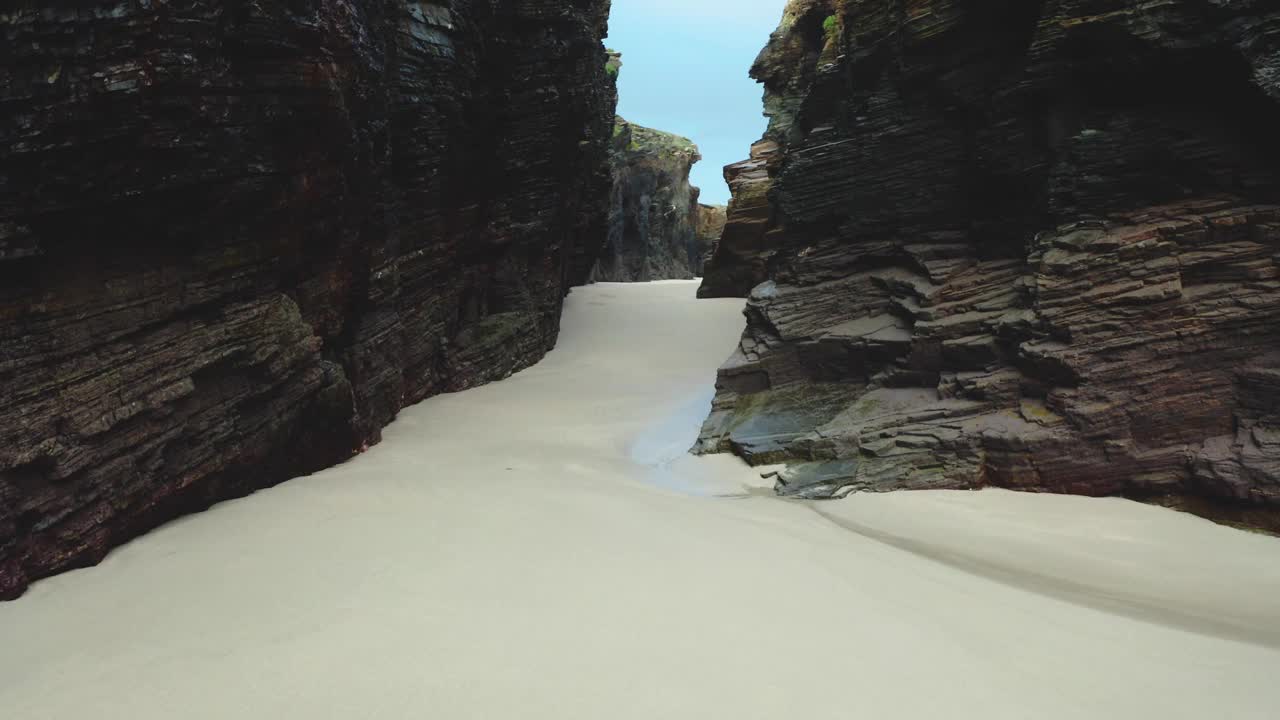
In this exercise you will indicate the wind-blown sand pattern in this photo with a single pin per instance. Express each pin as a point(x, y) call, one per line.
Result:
point(542, 548)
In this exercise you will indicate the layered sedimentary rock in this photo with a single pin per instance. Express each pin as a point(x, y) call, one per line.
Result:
point(738, 261)
point(236, 238)
point(1035, 247)
point(653, 219)
point(711, 222)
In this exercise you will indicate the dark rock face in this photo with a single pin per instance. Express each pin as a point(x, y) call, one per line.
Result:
point(236, 238)
point(738, 261)
point(1034, 247)
point(653, 219)
point(710, 226)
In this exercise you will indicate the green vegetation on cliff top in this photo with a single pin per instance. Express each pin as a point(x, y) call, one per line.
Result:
point(645, 139)
point(613, 65)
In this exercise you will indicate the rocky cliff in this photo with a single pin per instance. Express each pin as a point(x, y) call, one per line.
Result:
point(738, 260)
point(710, 226)
point(654, 212)
point(236, 238)
point(1034, 246)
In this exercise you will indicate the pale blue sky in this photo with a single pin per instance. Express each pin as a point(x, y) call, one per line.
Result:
point(684, 71)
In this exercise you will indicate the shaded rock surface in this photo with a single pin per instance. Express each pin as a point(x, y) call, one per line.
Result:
point(1035, 247)
point(236, 238)
point(653, 218)
point(711, 222)
point(738, 261)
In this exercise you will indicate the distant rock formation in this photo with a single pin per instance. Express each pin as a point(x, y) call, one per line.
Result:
point(710, 226)
point(237, 238)
point(738, 260)
point(1033, 245)
point(653, 220)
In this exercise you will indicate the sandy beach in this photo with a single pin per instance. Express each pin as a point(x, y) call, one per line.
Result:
point(543, 547)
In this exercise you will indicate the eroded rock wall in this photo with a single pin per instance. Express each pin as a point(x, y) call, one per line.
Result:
point(1032, 246)
point(711, 222)
point(236, 238)
point(653, 220)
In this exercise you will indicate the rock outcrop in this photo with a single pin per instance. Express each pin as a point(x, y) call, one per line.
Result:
point(738, 261)
point(653, 220)
point(236, 238)
point(1035, 247)
point(711, 222)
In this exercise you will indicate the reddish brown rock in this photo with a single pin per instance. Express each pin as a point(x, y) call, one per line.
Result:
point(710, 226)
point(236, 238)
point(738, 260)
point(1034, 247)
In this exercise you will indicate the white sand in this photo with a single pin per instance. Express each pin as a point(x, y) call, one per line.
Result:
point(540, 548)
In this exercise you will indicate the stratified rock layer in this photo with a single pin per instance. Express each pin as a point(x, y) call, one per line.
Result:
point(236, 238)
point(1036, 247)
point(738, 261)
point(711, 222)
point(653, 220)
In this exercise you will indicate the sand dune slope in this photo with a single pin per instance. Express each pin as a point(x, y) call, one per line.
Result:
point(542, 548)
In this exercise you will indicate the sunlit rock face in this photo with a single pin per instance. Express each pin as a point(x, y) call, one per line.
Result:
point(711, 222)
point(653, 218)
point(1032, 246)
point(236, 238)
